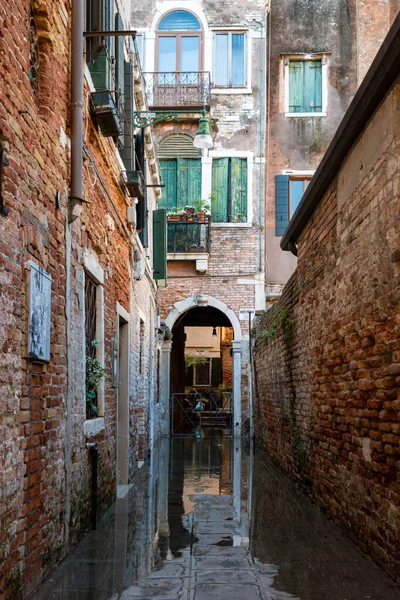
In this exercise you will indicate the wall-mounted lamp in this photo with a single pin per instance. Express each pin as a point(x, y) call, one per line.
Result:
point(203, 137)
point(214, 332)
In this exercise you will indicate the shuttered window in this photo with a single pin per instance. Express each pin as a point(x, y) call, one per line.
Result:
point(99, 51)
point(288, 194)
point(305, 86)
point(229, 190)
point(160, 244)
point(182, 179)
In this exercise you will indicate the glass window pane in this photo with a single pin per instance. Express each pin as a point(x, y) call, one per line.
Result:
point(167, 53)
point(179, 20)
point(140, 46)
point(221, 75)
point(296, 193)
point(190, 53)
point(238, 59)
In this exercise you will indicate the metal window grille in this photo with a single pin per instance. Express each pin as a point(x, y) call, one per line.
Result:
point(90, 333)
point(33, 53)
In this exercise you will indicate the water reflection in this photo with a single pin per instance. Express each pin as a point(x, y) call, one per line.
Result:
point(183, 528)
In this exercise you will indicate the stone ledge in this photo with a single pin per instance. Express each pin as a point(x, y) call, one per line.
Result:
point(92, 427)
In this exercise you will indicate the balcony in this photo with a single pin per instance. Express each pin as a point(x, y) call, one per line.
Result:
point(189, 239)
point(174, 90)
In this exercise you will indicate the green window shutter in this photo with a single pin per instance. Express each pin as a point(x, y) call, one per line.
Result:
point(144, 234)
point(120, 73)
point(219, 190)
point(127, 152)
point(313, 86)
point(94, 22)
point(100, 70)
point(281, 203)
point(296, 86)
point(216, 372)
point(160, 244)
point(189, 181)
point(169, 177)
point(239, 190)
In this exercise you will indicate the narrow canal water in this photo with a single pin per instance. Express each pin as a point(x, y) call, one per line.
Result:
point(206, 519)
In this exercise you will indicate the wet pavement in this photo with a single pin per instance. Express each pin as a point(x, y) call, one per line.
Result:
point(208, 520)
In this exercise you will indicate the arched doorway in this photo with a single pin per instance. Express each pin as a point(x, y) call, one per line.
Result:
point(205, 327)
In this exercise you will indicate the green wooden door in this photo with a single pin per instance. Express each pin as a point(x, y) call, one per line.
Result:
point(169, 177)
point(189, 181)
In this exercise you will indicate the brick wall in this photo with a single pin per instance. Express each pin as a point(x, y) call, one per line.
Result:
point(46, 476)
point(327, 355)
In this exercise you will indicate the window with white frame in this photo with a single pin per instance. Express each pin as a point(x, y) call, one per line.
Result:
point(229, 190)
point(230, 48)
point(305, 85)
point(297, 186)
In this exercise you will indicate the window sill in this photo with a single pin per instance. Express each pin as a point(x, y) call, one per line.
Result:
point(320, 114)
point(92, 427)
point(231, 91)
point(223, 225)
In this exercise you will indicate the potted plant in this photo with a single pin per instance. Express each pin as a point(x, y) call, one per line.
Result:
point(203, 208)
point(94, 374)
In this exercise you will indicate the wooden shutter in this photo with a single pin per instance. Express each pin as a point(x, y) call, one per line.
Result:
point(100, 70)
point(94, 22)
point(127, 152)
point(238, 190)
point(281, 203)
point(296, 86)
point(144, 234)
point(312, 86)
point(169, 177)
point(189, 181)
point(160, 244)
point(189, 377)
point(219, 193)
point(216, 372)
point(120, 73)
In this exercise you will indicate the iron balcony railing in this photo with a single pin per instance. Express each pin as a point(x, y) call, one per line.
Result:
point(174, 89)
point(190, 237)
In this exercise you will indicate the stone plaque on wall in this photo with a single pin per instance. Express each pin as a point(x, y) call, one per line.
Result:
point(39, 311)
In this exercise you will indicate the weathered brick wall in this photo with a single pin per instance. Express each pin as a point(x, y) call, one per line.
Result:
point(327, 355)
point(45, 478)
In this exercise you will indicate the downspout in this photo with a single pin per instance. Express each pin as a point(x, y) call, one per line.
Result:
point(74, 201)
point(76, 101)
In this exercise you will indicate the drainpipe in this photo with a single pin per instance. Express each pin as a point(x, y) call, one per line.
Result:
point(76, 105)
point(74, 205)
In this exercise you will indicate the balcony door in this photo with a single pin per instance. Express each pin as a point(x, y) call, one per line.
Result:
point(179, 56)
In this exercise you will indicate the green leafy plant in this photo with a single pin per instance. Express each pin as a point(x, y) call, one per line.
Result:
point(202, 205)
point(94, 374)
point(193, 361)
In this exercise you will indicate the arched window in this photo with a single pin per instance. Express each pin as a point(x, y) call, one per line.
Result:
point(179, 40)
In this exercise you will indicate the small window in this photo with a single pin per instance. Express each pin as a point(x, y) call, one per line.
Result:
point(305, 89)
point(33, 53)
point(229, 190)
point(297, 187)
point(92, 405)
point(202, 373)
point(229, 59)
point(140, 48)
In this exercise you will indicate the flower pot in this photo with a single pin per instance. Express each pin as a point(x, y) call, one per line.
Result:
point(201, 216)
point(173, 218)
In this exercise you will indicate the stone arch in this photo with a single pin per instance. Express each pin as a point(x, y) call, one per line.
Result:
point(202, 300)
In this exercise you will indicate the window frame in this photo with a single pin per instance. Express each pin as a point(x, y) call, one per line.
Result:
point(208, 183)
point(179, 34)
point(297, 177)
point(323, 57)
point(209, 375)
point(232, 88)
